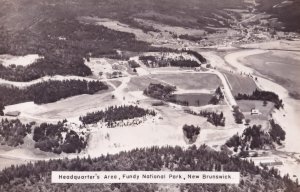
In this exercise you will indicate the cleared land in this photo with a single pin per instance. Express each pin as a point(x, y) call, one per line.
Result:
point(240, 83)
point(191, 80)
point(246, 106)
point(140, 83)
point(194, 99)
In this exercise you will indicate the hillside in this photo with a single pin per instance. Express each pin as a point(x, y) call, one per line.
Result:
point(55, 30)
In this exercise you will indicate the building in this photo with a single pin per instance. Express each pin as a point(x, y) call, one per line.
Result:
point(255, 111)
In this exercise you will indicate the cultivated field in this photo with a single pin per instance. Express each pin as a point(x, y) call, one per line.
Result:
point(240, 83)
point(191, 80)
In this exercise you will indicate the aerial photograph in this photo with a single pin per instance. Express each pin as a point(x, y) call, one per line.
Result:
point(150, 85)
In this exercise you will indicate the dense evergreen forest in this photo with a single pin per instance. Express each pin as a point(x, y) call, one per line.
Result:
point(34, 177)
point(49, 138)
point(49, 91)
point(116, 113)
point(263, 96)
point(12, 132)
point(152, 61)
point(256, 138)
point(46, 66)
point(64, 43)
point(197, 55)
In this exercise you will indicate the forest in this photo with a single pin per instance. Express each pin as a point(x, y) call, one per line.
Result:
point(216, 119)
point(63, 43)
point(197, 55)
point(12, 132)
point(256, 138)
point(47, 66)
point(116, 113)
point(49, 138)
point(32, 177)
point(152, 61)
point(49, 91)
point(262, 96)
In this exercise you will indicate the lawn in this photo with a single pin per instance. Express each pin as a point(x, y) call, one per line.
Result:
point(191, 80)
point(140, 83)
point(194, 99)
point(240, 83)
point(247, 105)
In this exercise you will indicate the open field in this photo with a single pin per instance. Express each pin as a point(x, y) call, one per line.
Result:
point(194, 99)
point(7, 60)
point(282, 66)
point(163, 131)
point(240, 83)
point(141, 83)
point(66, 108)
point(191, 80)
point(258, 119)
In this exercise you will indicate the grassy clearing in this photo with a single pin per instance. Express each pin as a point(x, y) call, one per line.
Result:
point(194, 99)
point(241, 84)
point(246, 106)
point(141, 83)
point(191, 81)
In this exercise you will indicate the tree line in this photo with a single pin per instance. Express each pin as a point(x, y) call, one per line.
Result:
point(32, 177)
point(217, 119)
point(153, 61)
point(197, 55)
point(262, 96)
point(116, 113)
point(49, 91)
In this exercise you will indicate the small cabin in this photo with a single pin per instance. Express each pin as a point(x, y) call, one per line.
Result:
point(13, 113)
point(255, 111)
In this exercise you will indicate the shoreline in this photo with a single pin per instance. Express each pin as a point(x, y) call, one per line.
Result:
point(285, 117)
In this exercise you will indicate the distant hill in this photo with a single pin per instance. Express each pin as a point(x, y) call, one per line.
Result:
point(51, 28)
point(287, 12)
